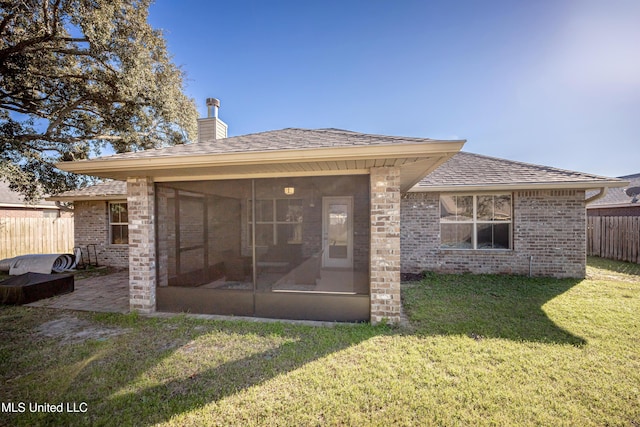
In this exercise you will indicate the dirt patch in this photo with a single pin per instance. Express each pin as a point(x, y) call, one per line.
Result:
point(70, 329)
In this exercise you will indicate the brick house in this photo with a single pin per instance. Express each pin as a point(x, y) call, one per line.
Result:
point(319, 224)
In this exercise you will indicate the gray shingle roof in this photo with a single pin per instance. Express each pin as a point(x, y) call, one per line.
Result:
point(468, 169)
point(617, 196)
point(284, 139)
point(103, 190)
point(9, 197)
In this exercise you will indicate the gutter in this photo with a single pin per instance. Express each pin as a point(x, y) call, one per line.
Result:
point(599, 195)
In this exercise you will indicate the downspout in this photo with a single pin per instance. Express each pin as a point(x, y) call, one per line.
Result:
point(530, 265)
point(603, 191)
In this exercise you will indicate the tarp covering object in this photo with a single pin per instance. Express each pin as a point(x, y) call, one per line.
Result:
point(30, 287)
point(40, 263)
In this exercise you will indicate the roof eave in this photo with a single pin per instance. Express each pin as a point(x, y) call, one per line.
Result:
point(107, 166)
point(84, 198)
point(27, 206)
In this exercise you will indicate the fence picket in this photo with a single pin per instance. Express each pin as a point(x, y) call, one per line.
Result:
point(614, 238)
point(21, 236)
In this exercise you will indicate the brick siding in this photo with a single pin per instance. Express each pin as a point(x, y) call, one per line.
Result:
point(549, 235)
point(91, 227)
point(385, 245)
point(142, 244)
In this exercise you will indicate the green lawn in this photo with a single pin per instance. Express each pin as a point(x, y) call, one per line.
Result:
point(479, 350)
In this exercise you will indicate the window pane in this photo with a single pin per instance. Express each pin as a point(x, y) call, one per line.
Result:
point(485, 208)
point(456, 208)
point(118, 212)
point(447, 208)
point(494, 208)
point(289, 210)
point(457, 236)
point(502, 208)
point(494, 236)
point(119, 235)
point(124, 217)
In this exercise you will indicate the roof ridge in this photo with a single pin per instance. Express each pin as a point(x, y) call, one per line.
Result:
point(375, 135)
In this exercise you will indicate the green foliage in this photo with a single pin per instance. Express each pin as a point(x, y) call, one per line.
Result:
point(77, 76)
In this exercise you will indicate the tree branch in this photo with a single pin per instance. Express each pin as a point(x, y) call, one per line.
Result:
point(20, 109)
point(61, 114)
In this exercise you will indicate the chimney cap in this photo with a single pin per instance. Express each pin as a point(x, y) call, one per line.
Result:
point(213, 102)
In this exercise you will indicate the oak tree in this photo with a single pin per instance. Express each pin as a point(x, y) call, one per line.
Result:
point(78, 77)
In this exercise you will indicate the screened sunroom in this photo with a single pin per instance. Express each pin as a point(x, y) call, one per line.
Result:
point(282, 247)
point(292, 224)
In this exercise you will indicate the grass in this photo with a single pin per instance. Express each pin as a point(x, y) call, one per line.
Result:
point(479, 350)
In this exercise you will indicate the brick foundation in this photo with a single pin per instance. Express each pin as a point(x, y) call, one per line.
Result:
point(385, 245)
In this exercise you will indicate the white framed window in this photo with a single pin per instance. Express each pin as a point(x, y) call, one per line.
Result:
point(118, 223)
point(278, 221)
point(476, 221)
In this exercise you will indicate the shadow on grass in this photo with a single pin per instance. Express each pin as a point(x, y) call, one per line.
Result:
point(163, 368)
point(167, 367)
point(612, 266)
point(486, 306)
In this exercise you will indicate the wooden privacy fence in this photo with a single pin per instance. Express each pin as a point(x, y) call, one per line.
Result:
point(22, 236)
point(614, 237)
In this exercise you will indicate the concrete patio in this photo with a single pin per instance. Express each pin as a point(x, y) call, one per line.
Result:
point(109, 294)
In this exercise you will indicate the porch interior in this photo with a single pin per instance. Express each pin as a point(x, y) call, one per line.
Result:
point(279, 236)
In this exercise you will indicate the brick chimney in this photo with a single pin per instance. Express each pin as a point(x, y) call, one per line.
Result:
point(211, 127)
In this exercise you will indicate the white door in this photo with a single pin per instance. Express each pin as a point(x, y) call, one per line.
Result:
point(337, 232)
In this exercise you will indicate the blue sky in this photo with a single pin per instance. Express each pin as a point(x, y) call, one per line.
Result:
point(553, 82)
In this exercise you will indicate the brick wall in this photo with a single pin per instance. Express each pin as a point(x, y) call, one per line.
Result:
point(385, 244)
point(549, 226)
point(142, 244)
point(91, 226)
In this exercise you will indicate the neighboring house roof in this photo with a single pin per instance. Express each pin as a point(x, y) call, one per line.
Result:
point(13, 199)
point(617, 197)
point(286, 152)
point(468, 171)
point(108, 190)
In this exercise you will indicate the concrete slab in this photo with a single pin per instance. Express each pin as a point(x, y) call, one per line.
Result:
point(107, 294)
